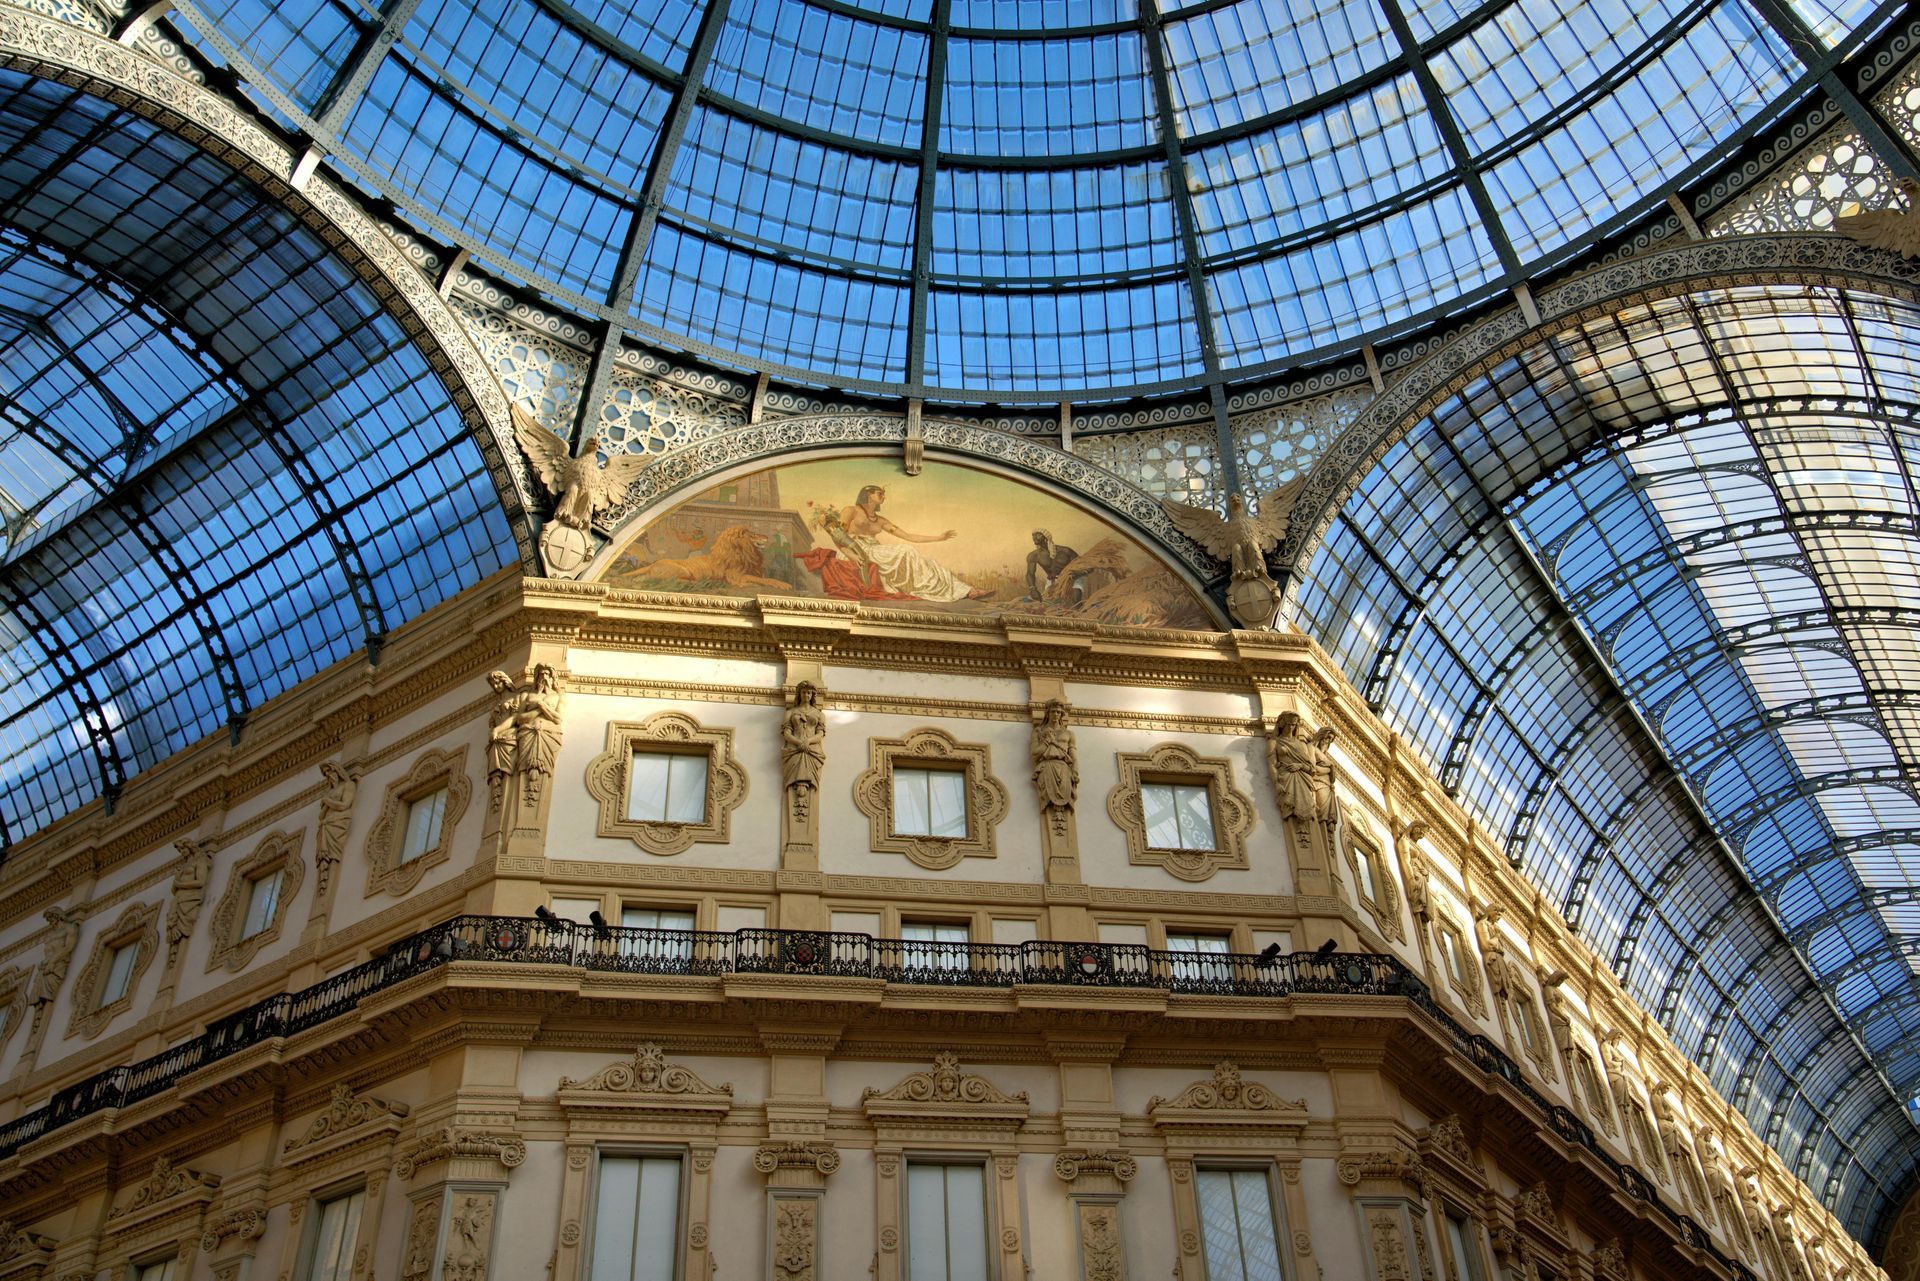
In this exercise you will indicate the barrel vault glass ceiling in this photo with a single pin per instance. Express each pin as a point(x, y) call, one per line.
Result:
point(1010, 199)
point(1649, 594)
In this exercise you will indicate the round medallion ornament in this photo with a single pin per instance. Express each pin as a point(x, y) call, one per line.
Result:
point(570, 1233)
point(565, 550)
point(889, 1239)
point(697, 1238)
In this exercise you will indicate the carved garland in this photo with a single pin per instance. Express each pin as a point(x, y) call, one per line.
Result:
point(279, 853)
point(139, 926)
point(431, 771)
point(610, 774)
point(1232, 812)
point(986, 797)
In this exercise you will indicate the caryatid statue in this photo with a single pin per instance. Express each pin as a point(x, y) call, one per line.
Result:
point(336, 814)
point(1056, 770)
point(803, 748)
point(1419, 873)
point(1493, 950)
point(523, 740)
point(56, 954)
point(189, 894)
point(1303, 780)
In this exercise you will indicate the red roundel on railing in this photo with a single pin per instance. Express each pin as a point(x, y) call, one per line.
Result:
point(803, 953)
point(506, 938)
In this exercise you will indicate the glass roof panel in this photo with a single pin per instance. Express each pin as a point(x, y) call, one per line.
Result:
point(1046, 97)
point(1070, 338)
point(1032, 224)
point(1330, 210)
point(823, 69)
point(1740, 568)
point(270, 434)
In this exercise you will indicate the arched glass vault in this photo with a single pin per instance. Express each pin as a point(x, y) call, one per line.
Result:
point(1645, 593)
point(224, 464)
point(983, 198)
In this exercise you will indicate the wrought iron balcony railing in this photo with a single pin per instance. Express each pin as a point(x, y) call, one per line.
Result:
point(824, 953)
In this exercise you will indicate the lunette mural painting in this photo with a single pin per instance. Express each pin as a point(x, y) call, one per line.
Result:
point(953, 539)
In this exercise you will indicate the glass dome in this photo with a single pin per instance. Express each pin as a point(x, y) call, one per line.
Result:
point(1014, 200)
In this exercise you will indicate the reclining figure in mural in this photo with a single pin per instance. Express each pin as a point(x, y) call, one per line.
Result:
point(887, 571)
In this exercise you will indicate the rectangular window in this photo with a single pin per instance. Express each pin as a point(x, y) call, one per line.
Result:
point(1199, 966)
point(1179, 816)
point(263, 900)
point(423, 825)
point(1463, 1240)
point(159, 1270)
point(667, 787)
point(1528, 1021)
point(667, 948)
point(1450, 951)
point(337, 1223)
point(946, 1222)
point(1237, 1232)
point(636, 1219)
point(1363, 859)
point(930, 802)
point(119, 972)
point(917, 935)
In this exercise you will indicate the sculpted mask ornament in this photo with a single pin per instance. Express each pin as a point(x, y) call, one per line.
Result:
point(1056, 769)
point(189, 894)
point(581, 487)
point(1243, 540)
point(803, 748)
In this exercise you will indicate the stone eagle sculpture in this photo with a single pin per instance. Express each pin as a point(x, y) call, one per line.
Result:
point(1243, 540)
point(1895, 230)
point(581, 488)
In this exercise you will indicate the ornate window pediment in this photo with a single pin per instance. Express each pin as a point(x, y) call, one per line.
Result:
point(931, 749)
point(945, 1091)
point(1230, 813)
point(1373, 880)
point(648, 1083)
point(432, 770)
point(350, 1124)
point(166, 1211)
point(278, 855)
point(138, 928)
point(610, 781)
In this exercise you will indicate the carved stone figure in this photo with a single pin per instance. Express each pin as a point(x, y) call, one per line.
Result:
point(1493, 951)
point(523, 739)
point(1326, 797)
point(1559, 1020)
point(1680, 1154)
point(1726, 1198)
point(536, 736)
point(1243, 540)
point(1419, 873)
point(803, 748)
point(581, 487)
point(189, 895)
point(55, 956)
point(330, 832)
point(1056, 770)
point(469, 1236)
point(420, 1234)
point(1292, 756)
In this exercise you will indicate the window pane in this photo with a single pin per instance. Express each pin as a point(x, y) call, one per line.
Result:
point(161, 1271)
point(1364, 861)
point(119, 973)
point(687, 789)
point(1465, 1252)
point(636, 1219)
point(1163, 821)
point(910, 803)
point(1236, 1226)
point(647, 787)
point(576, 910)
point(946, 1222)
point(423, 825)
point(1216, 943)
point(262, 899)
point(656, 918)
point(332, 1256)
point(1196, 817)
point(947, 802)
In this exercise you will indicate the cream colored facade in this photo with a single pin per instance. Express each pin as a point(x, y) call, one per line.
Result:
point(469, 1100)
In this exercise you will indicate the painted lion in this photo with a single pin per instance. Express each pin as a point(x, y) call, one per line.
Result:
point(734, 559)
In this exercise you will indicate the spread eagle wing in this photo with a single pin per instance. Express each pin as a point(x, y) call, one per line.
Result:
point(1895, 230)
point(546, 451)
point(1276, 508)
point(617, 477)
point(1201, 525)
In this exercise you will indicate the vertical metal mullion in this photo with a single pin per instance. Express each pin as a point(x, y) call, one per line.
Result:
point(930, 111)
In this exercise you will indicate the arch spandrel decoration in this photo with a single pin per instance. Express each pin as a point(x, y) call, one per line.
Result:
point(96, 64)
point(705, 521)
